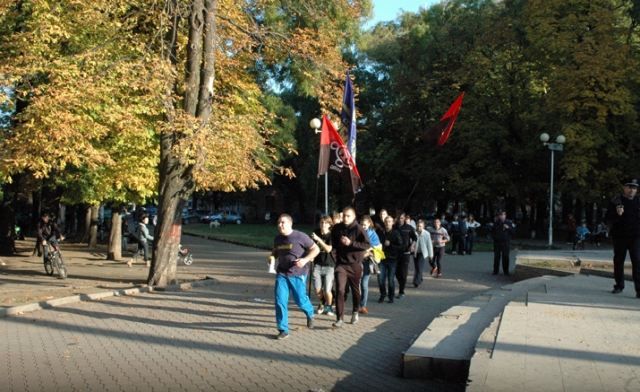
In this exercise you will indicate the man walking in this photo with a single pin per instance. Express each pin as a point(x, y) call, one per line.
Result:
point(409, 238)
point(350, 242)
point(424, 251)
point(293, 251)
point(501, 232)
point(623, 217)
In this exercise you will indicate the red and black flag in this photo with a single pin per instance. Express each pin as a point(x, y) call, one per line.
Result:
point(444, 128)
point(335, 156)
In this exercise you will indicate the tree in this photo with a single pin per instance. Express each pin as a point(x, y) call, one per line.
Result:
point(216, 126)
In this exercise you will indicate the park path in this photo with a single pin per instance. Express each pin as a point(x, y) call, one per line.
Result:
point(220, 337)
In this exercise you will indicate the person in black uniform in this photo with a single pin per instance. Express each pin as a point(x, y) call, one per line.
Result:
point(409, 238)
point(623, 218)
point(501, 233)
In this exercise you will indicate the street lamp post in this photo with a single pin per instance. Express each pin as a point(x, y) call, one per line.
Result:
point(315, 124)
point(553, 147)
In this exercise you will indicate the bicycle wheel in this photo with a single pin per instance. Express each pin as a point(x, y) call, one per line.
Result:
point(48, 267)
point(62, 270)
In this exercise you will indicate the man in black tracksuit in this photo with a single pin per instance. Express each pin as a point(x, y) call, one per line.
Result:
point(349, 242)
point(623, 218)
point(409, 238)
point(502, 231)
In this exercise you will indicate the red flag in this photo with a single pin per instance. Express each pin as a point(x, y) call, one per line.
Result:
point(448, 119)
point(334, 155)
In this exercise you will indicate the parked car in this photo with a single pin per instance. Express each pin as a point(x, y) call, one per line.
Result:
point(189, 216)
point(223, 217)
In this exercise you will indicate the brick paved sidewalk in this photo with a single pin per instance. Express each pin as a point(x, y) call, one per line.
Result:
point(23, 280)
point(221, 337)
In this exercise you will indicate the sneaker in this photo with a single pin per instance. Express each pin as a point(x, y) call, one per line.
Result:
point(363, 310)
point(432, 269)
point(380, 300)
point(435, 271)
point(637, 295)
point(338, 324)
point(355, 318)
point(391, 300)
point(439, 274)
point(282, 335)
point(310, 323)
point(321, 309)
point(328, 310)
point(400, 296)
point(616, 291)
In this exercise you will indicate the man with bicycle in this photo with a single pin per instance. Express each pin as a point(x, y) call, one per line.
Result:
point(48, 232)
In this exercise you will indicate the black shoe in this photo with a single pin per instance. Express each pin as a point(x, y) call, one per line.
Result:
point(282, 335)
point(310, 323)
point(637, 295)
point(507, 274)
point(616, 291)
point(494, 273)
point(390, 300)
point(380, 300)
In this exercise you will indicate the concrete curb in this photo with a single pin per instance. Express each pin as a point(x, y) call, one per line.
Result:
point(52, 303)
point(446, 347)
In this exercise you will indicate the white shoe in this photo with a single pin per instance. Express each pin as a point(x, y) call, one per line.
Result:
point(355, 318)
point(320, 309)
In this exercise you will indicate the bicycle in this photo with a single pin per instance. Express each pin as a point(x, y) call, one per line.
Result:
point(54, 261)
point(185, 256)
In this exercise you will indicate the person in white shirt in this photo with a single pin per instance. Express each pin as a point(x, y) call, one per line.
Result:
point(423, 251)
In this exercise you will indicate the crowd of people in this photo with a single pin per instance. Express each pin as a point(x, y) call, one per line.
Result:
point(342, 254)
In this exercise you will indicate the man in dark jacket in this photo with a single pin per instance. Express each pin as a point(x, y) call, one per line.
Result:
point(623, 217)
point(47, 232)
point(349, 242)
point(392, 245)
point(501, 232)
point(409, 238)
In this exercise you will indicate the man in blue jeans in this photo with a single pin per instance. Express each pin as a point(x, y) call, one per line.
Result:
point(293, 250)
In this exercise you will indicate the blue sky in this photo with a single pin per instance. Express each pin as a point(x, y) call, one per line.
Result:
point(385, 10)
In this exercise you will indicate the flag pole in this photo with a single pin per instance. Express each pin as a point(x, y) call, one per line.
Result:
point(326, 193)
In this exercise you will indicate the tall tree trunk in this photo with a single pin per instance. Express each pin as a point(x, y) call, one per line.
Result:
point(7, 223)
point(86, 229)
point(93, 232)
point(176, 179)
point(115, 237)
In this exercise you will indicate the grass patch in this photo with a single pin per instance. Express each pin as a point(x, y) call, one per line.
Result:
point(255, 235)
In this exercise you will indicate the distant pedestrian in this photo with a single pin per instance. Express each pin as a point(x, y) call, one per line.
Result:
point(472, 226)
point(502, 232)
point(439, 238)
point(423, 252)
point(368, 264)
point(409, 238)
point(582, 234)
point(324, 267)
point(571, 228)
point(392, 246)
point(293, 251)
point(454, 231)
point(601, 233)
point(349, 245)
point(623, 217)
point(378, 221)
point(144, 239)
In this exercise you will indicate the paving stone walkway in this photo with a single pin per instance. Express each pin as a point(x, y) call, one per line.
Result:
point(220, 337)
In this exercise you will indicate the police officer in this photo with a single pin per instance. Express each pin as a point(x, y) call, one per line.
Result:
point(623, 218)
point(502, 231)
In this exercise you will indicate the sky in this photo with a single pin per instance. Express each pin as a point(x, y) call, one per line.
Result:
point(385, 10)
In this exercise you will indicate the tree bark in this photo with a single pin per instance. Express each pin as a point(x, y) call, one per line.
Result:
point(115, 237)
point(86, 230)
point(93, 232)
point(176, 180)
